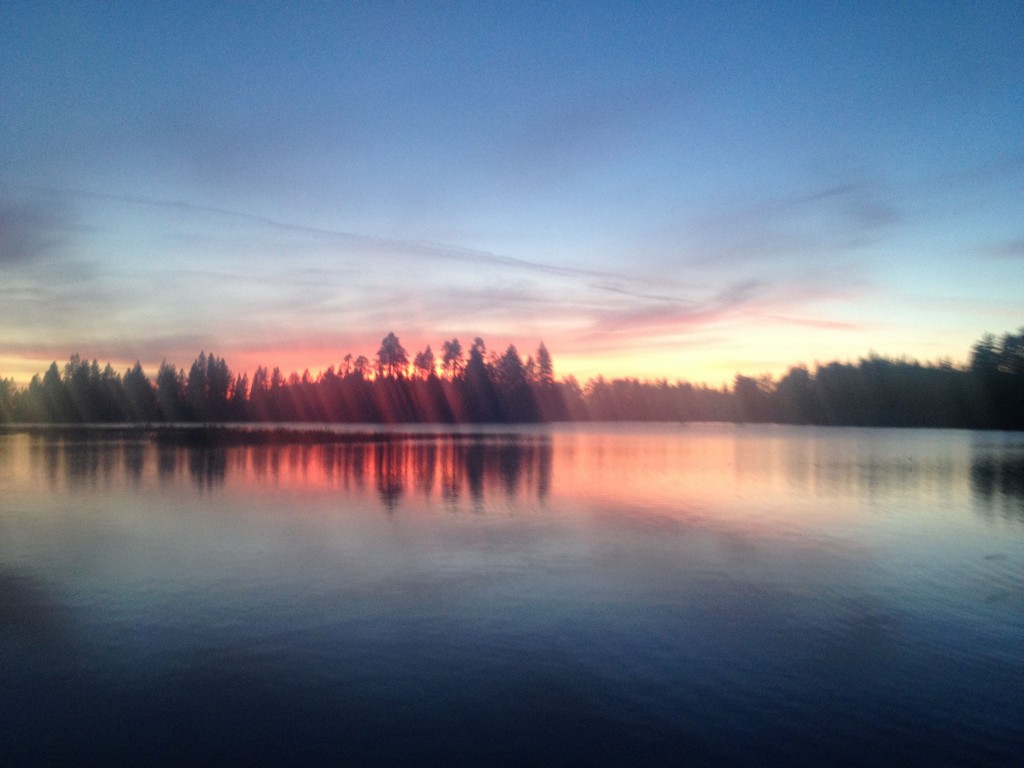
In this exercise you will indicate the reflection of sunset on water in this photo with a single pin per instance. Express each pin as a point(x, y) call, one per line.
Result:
point(752, 478)
point(445, 467)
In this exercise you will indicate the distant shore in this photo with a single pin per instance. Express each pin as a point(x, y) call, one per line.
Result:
point(987, 393)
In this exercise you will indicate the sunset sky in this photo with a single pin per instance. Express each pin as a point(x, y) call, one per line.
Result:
point(680, 190)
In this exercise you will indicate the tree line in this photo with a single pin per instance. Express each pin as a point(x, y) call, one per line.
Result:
point(477, 386)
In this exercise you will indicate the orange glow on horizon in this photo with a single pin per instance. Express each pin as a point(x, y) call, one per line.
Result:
point(710, 361)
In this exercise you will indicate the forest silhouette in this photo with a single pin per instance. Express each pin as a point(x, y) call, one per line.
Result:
point(476, 386)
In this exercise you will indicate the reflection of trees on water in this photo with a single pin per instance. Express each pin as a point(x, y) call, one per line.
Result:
point(998, 480)
point(453, 468)
point(134, 460)
point(448, 467)
point(207, 466)
point(84, 463)
point(88, 463)
point(488, 466)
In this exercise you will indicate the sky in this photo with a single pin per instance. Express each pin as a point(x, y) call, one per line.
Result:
point(659, 190)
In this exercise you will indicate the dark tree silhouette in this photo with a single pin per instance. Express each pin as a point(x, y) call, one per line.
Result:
point(797, 403)
point(392, 359)
point(139, 395)
point(998, 370)
point(170, 392)
point(56, 402)
point(515, 395)
point(238, 398)
point(219, 384)
point(7, 400)
point(451, 358)
point(361, 366)
point(874, 391)
point(545, 367)
point(258, 403)
point(752, 399)
point(197, 389)
point(424, 363)
point(479, 398)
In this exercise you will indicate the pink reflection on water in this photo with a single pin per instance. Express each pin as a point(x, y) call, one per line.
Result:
point(765, 480)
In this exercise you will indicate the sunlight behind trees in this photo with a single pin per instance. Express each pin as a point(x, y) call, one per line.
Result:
point(504, 387)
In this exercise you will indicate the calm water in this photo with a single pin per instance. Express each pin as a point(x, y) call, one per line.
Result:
point(580, 596)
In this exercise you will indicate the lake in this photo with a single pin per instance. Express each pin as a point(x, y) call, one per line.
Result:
point(566, 595)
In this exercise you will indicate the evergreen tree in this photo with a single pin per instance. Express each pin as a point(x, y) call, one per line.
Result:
point(424, 363)
point(170, 392)
point(451, 359)
point(392, 359)
point(545, 366)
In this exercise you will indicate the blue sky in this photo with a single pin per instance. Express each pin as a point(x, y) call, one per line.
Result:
point(666, 190)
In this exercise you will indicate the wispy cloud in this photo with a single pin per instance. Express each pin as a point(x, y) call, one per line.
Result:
point(363, 243)
point(30, 231)
point(1008, 249)
point(821, 223)
point(815, 322)
point(784, 301)
point(674, 317)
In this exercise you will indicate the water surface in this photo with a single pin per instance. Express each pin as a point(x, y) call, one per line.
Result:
point(590, 595)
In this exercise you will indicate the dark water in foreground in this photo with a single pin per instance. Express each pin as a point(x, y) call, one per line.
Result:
point(590, 596)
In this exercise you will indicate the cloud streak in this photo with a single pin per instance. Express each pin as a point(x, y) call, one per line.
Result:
point(1008, 249)
point(30, 231)
point(363, 242)
point(838, 219)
